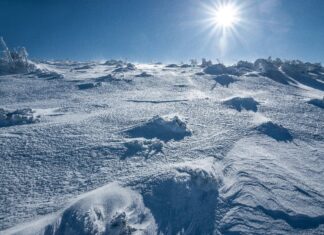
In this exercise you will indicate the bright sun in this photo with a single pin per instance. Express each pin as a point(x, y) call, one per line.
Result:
point(226, 16)
point(225, 19)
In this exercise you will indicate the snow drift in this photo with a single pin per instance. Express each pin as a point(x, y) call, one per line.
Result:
point(143, 147)
point(225, 79)
point(160, 128)
point(17, 117)
point(275, 131)
point(111, 209)
point(317, 102)
point(239, 103)
point(186, 200)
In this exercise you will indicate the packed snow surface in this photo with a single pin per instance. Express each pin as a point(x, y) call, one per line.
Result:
point(123, 148)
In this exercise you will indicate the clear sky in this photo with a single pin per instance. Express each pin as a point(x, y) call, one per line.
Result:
point(162, 30)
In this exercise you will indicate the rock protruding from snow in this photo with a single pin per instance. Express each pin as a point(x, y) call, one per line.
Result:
point(225, 79)
point(240, 103)
point(275, 131)
point(317, 102)
point(17, 117)
point(161, 128)
point(14, 61)
point(112, 210)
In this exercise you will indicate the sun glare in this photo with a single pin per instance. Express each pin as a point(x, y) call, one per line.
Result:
point(226, 16)
point(224, 21)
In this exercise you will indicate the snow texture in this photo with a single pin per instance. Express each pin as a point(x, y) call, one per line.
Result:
point(108, 210)
point(161, 128)
point(103, 148)
point(17, 117)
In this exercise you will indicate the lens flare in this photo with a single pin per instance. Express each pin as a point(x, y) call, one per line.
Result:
point(224, 19)
point(226, 16)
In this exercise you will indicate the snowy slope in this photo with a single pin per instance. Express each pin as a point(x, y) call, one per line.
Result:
point(116, 148)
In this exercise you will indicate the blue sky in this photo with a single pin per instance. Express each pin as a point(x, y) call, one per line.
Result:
point(162, 30)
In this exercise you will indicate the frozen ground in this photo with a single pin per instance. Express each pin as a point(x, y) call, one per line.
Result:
point(113, 148)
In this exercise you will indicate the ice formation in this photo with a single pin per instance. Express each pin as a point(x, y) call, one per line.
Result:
point(15, 61)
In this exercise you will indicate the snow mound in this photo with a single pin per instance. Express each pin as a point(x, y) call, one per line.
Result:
point(143, 147)
point(17, 117)
point(215, 69)
point(186, 201)
point(225, 79)
point(239, 103)
point(89, 85)
point(172, 66)
point(184, 66)
point(112, 210)
point(317, 102)
point(124, 69)
point(84, 67)
point(305, 73)
point(144, 74)
point(113, 62)
point(268, 69)
point(200, 73)
point(49, 75)
point(275, 131)
point(161, 128)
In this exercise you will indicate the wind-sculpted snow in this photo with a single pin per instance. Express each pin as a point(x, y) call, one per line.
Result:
point(109, 210)
point(186, 201)
point(90, 85)
point(14, 61)
point(161, 128)
point(124, 68)
point(225, 79)
point(198, 149)
point(216, 69)
point(275, 131)
point(143, 147)
point(239, 103)
point(17, 117)
point(317, 102)
point(144, 75)
point(49, 75)
point(272, 203)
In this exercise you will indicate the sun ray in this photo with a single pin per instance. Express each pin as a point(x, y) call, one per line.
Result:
point(223, 22)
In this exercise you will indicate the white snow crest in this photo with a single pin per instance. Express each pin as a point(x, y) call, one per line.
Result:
point(111, 209)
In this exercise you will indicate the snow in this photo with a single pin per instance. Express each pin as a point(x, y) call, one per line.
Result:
point(17, 117)
point(161, 128)
point(14, 61)
point(240, 103)
point(275, 131)
point(111, 209)
point(317, 102)
point(195, 150)
point(225, 79)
